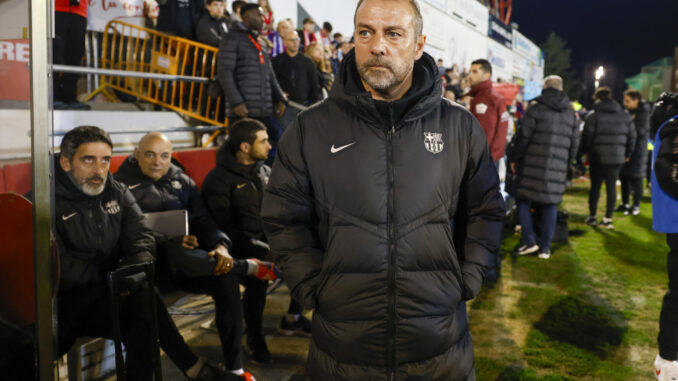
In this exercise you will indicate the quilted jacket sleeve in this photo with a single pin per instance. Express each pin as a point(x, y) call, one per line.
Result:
point(290, 221)
point(480, 217)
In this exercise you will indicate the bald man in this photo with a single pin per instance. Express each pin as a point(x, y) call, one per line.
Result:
point(297, 76)
point(198, 262)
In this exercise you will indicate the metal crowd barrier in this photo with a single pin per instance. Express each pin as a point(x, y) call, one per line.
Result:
point(137, 49)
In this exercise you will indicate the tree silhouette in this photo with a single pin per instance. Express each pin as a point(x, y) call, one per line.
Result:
point(558, 61)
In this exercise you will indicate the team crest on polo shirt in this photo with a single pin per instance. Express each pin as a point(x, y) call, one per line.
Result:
point(176, 184)
point(433, 142)
point(112, 207)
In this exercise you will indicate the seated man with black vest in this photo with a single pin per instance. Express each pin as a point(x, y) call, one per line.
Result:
point(99, 228)
point(197, 262)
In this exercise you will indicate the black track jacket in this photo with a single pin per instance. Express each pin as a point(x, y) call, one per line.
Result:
point(94, 233)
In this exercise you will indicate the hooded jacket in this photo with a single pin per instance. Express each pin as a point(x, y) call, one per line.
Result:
point(609, 136)
point(243, 77)
point(173, 191)
point(233, 194)
point(209, 30)
point(488, 106)
point(637, 165)
point(94, 233)
point(385, 218)
point(543, 148)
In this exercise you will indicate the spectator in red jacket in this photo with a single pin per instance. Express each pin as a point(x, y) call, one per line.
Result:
point(70, 25)
point(488, 107)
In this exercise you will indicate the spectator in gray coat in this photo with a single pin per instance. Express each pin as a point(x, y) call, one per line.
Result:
point(609, 138)
point(542, 150)
point(245, 72)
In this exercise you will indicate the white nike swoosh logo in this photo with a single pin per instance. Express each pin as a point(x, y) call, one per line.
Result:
point(337, 149)
point(68, 216)
point(134, 186)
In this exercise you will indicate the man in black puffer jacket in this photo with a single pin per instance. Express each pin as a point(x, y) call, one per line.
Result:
point(199, 262)
point(245, 72)
point(609, 138)
point(384, 212)
point(542, 150)
point(633, 172)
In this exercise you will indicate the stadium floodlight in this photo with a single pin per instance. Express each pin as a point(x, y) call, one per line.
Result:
point(600, 72)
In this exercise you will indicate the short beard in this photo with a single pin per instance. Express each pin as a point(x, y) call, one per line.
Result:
point(93, 190)
point(382, 81)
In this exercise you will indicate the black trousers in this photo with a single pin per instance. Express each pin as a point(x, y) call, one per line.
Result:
point(599, 174)
point(668, 319)
point(629, 186)
point(191, 271)
point(68, 49)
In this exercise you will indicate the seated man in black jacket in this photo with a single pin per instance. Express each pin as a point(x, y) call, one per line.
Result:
point(198, 262)
point(98, 228)
point(233, 192)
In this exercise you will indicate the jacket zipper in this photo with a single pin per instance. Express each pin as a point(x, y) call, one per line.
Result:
point(391, 350)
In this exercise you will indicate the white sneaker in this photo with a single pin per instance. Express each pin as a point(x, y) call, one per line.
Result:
point(665, 370)
point(525, 249)
point(544, 254)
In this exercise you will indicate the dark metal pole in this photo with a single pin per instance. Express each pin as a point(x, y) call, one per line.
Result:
point(40, 17)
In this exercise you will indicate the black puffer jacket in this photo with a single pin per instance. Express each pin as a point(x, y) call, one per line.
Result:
point(609, 136)
point(242, 76)
point(173, 191)
point(233, 194)
point(94, 233)
point(543, 148)
point(637, 166)
point(385, 229)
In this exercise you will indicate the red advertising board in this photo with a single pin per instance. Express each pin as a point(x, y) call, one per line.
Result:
point(14, 70)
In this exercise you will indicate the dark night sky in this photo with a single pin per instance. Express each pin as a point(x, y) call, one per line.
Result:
point(623, 33)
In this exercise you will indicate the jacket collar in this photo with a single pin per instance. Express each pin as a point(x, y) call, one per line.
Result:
point(426, 87)
point(482, 86)
point(226, 159)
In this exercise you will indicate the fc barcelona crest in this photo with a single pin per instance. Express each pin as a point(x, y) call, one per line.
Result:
point(112, 207)
point(433, 142)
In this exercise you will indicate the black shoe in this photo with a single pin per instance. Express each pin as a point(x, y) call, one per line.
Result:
point(301, 327)
point(258, 351)
point(209, 372)
point(623, 208)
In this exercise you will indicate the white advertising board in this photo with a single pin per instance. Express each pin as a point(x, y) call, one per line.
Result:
point(523, 46)
point(501, 59)
point(453, 40)
point(475, 14)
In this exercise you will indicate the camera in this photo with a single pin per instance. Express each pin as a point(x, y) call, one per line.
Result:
point(75, 3)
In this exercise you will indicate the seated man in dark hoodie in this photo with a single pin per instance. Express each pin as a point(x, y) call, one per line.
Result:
point(98, 228)
point(212, 24)
point(199, 262)
point(233, 192)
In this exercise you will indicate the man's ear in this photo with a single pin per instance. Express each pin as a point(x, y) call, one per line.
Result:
point(419, 46)
point(245, 147)
point(65, 163)
point(136, 153)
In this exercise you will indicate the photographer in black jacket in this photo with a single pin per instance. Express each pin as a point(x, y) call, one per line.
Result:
point(664, 122)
